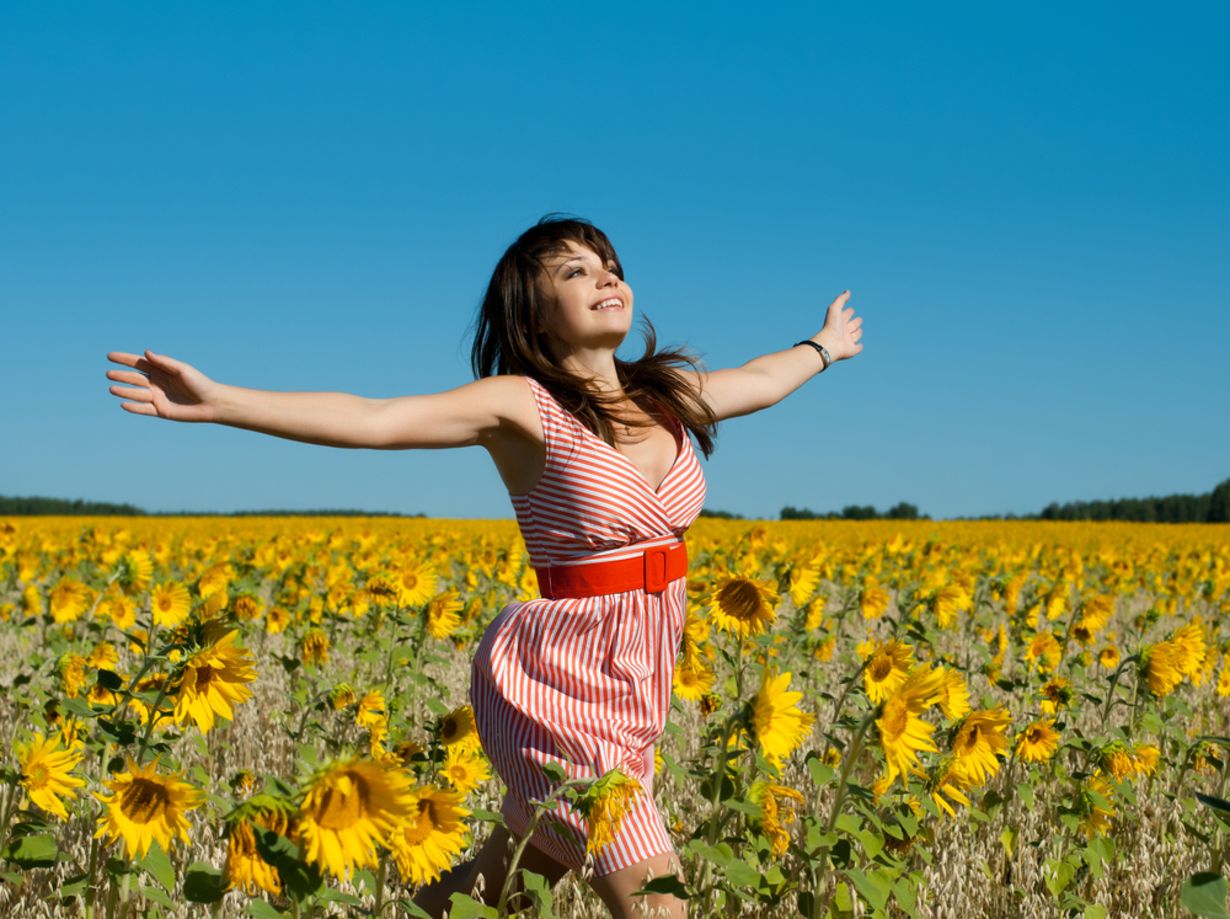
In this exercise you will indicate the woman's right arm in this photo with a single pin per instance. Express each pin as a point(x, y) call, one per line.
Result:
point(469, 415)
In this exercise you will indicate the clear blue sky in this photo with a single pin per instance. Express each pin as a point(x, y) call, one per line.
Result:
point(1031, 206)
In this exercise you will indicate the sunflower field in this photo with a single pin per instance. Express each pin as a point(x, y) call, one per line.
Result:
point(267, 717)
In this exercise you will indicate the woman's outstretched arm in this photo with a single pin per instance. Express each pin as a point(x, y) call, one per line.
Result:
point(766, 380)
point(163, 387)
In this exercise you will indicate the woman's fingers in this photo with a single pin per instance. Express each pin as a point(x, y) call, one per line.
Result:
point(139, 408)
point(127, 376)
point(141, 394)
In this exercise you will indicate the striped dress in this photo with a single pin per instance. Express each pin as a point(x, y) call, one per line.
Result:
point(586, 682)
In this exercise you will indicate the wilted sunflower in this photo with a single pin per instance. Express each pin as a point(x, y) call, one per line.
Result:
point(213, 679)
point(442, 618)
point(947, 602)
point(245, 869)
point(1056, 694)
point(72, 674)
point(349, 810)
point(948, 785)
point(1038, 742)
point(170, 603)
point(144, 806)
point(977, 744)
point(780, 725)
point(314, 648)
point(604, 804)
point(886, 669)
point(425, 843)
point(372, 709)
point(1095, 802)
point(743, 606)
point(1116, 759)
point(45, 768)
point(778, 805)
point(902, 732)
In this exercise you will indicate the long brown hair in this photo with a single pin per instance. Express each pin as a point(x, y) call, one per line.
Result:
point(509, 338)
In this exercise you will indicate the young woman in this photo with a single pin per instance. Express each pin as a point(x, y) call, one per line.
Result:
point(596, 455)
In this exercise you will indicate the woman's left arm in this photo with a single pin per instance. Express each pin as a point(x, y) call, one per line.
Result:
point(766, 380)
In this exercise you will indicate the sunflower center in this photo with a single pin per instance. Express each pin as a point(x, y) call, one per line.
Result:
point(144, 801)
point(740, 599)
point(896, 717)
point(880, 668)
point(37, 776)
point(341, 811)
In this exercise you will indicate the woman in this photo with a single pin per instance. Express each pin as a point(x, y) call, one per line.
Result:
point(597, 460)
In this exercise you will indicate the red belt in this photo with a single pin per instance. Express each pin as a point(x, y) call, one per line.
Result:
point(652, 570)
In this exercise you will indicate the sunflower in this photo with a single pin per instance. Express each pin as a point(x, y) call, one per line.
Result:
point(948, 602)
point(954, 694)
point(743, 606)
point(873, 600)
point(948, 785)
point(457, 727)
point(692, 678)
point(276, 619)
point(425, 843)
point(464, 768)
point(1095, 803)
point(1044, 652)
point(1108, 657)
point(1056, 694)
point(119, 609)
point(977, 744)
point(342, 696)
point(245, 869)
point(72, 674)
point(103, 656)
point(778, 805)
point(780, 726)
point(414, 583)
point(1038, 742)
point(442, 618)
point(1223, 678)
point(886, 669)
point(1116, 759)
point(212, 681)
point(135, 570)
point(314, 647)
point(902, 732)
point(144, 806)
point(247, 607)
point(69, 599)
point(803, 581)
point(372, 708)
point(170, 603)
point(348, 811)
point(604, 804)
point(45, 768)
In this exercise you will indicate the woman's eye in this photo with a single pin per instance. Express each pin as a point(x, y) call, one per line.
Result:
point(574, 271)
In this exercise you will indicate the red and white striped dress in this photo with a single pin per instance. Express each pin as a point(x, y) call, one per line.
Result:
point(586, 682)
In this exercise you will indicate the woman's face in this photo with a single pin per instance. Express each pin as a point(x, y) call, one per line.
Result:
point(589, 305)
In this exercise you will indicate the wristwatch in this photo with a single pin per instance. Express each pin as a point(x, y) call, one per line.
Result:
point(824, 352)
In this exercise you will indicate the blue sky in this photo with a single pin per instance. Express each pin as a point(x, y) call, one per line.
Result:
point(1030, 205)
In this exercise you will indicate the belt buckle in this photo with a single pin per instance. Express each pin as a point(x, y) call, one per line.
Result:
point(655, 569)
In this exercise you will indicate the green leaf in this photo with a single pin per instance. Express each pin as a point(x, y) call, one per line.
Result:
point(32, 851)
point(741, 874)
point(821, 773)
point(466, 907)
point(259, 909)
point(109, 679)
point(1058, 875)
point(1219, 806)
point(203, 883)
point(159, 867)
point(150, 892)
point(1205, 895)
point(330, 895)
point(1094, 911)
point(873, 887)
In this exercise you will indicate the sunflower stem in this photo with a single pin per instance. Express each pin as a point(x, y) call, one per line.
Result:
point(510, 876)
point(380, 876)
point(820, 905)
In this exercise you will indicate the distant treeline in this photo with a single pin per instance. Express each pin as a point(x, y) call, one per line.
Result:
point(902, 510)
point(1213, 507)
point(51, 506)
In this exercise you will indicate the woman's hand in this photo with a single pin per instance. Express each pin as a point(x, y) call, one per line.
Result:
point(162, 386)
point(843, 331)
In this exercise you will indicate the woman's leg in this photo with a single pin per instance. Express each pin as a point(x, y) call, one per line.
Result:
point(616, 889)
point(491, 863)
